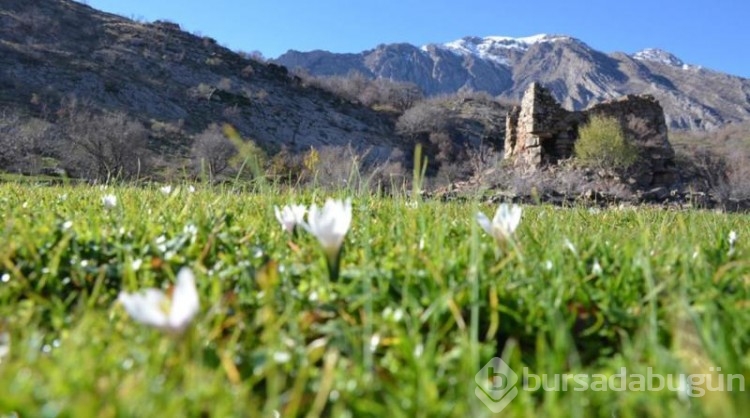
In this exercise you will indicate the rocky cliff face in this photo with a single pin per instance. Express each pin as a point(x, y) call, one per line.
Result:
point(434, 69)
point(576, 74)
point(55, 50)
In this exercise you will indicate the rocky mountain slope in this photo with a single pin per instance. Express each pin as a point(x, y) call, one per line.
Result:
point(52, 51)
point(578, 75)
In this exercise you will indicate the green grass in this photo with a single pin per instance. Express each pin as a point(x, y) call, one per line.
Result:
point(423, 302)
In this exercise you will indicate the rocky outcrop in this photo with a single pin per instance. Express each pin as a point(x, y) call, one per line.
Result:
point(540, 132)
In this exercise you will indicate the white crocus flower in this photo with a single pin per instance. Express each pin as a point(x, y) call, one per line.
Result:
point(330, 224)
point(190, 229)
point(153, 307)
point(596, 269)
point(166, 189)
point(732, 239)
point(290, 216)
point(136, 264)
point(569, 245)
point(503, 224)
point(4, 344)
point(109, 201)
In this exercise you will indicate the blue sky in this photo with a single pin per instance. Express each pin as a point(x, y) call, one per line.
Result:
point(711, 33)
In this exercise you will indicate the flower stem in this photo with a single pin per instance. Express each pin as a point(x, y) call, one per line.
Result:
point(333, 261)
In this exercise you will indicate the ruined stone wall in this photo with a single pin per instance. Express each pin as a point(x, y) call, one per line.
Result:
point(541, 132)
point(511, 131)
point(642, 120)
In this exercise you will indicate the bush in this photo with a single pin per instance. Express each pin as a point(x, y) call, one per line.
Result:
point(212, 151)
point(105, 145)
point(379, 93)
point(602, 145)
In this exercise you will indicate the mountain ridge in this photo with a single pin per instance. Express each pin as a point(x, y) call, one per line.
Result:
point(694, 98)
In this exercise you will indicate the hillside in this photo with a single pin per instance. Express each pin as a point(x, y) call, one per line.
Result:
point(693, 97)
point(59, 51)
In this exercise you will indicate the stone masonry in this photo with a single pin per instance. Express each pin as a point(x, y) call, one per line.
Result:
point(540, 132)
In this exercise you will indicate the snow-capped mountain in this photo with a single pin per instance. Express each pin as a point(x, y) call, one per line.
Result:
point(578, 75)
point(497, 48)
point(658, 55)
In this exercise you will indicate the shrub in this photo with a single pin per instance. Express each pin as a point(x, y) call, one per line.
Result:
point(287, 167)
point(25, 142)
point(381, 93)
point(105, 145)
point(424, 117)
point(602, 145)
point(212, 151)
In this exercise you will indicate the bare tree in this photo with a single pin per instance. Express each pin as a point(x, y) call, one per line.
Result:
point(423, 118)
point(106, 145)
point(24, 141)
point(9, 151)
point(357, 87)
point(212, 151)
point(401, 96)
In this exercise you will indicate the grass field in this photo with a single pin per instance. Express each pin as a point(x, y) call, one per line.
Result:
point(423, 301)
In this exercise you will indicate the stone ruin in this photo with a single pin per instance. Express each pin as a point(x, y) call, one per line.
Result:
point(540, 132)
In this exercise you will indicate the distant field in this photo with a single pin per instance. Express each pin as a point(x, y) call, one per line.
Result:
point(423, 302)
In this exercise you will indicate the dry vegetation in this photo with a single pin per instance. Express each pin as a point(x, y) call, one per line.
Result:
point(720, 158)
point(461, 136)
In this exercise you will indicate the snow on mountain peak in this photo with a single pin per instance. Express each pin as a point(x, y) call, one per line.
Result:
point(523, 42)
point(658, 55)
point(496, 48)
